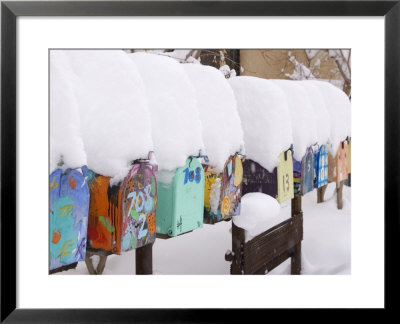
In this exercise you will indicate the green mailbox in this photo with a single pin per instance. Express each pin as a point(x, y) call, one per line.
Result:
point(180, 204)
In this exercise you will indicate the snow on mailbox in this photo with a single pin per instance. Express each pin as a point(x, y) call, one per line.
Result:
point(304, 133)
point(177, 137)
point(223, 140)
point(267, 129)
point(68, 189)
point(116, 130)
point(339, 109)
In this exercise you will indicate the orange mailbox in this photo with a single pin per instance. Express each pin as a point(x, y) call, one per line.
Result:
point(123, 217)
point(337, 166)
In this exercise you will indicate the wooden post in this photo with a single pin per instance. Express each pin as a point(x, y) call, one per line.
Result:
point(339, 191)
point(238, 240)
point(295, 267)
point(144, 259)
point(321, 193)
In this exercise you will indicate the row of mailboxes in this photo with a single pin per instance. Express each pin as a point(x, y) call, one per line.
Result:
point(86, 210)
point(292, 178)
point(128, 215)
point(68, 217)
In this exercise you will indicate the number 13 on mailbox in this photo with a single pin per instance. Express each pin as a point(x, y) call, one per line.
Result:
point(285, 176)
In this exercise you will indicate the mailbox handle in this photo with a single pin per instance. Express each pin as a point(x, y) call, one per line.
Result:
point(201, 155)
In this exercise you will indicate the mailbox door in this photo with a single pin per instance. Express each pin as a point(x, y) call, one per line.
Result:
point(307, 179)
point(212, 194)
point(104, 230)
point(296, 177)
point(139, 201)
point(331, 168)
point(349, 156)
point(69, 203)
point(258, 179)
point(188, 202)
point(285, 177)
point(165, 208)
point(231, 187)
point(341, 161)
point(321, 162)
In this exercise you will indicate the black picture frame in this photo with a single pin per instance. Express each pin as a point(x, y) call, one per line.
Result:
point(10, 10)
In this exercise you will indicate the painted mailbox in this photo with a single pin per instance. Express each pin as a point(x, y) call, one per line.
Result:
point(337, 166)
point(285, 177)
point(303, 173)
point(123, 217)
point(181, 203)
point(349, 156)
point(222, 192)
point(69, 204)
point(321, 166)
point(277, 184)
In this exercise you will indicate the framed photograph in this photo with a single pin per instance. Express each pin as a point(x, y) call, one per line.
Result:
point(30, 30)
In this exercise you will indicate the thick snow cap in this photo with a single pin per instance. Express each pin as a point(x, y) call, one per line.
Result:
point(66, 144)
point(339, 108)
point(222, 128)
point(323, 123)
point(302, 116)
point(176, 125)
point(265, 117)
point(115, 120)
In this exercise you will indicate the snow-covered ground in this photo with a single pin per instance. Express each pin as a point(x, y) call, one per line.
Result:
point(326, 246)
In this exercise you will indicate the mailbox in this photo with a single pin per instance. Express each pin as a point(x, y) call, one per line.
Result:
point(222, 192)
point(277, 184)
point(349, 156)
point(285, 177)
point(123, 216)
point(180, 205)
point(303, 173)
point(321, 166)
point(337, 166)
point(69, 204)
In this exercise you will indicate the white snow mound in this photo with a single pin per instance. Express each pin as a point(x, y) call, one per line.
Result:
point(66, 142)
point(259, 212)
point(115, 120)
point(222, 128)
point(176, 125)
point(265, 117)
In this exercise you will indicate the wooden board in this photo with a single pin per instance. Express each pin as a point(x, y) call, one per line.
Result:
point(69, 203)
